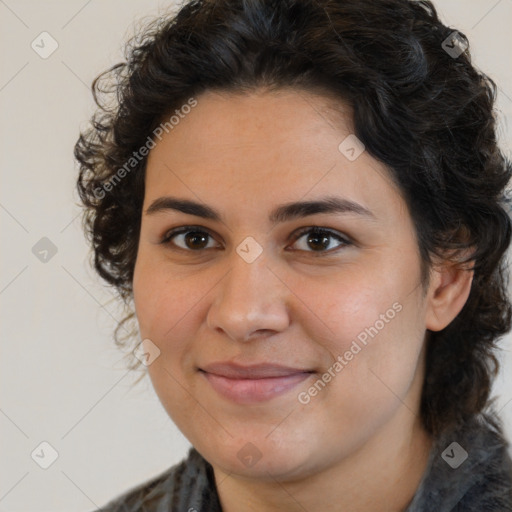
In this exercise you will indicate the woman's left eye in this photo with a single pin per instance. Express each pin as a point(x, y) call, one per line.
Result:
point(318, 240)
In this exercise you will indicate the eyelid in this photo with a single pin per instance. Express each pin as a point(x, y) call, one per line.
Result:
point(166, 238)
point(318, 229)
point(343, 239)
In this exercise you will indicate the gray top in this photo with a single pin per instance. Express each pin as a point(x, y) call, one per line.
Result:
point(469, 470)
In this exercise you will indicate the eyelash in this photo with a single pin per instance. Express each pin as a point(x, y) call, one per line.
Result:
point(316, 230)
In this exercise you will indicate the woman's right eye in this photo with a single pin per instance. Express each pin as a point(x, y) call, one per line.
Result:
point(188, 238)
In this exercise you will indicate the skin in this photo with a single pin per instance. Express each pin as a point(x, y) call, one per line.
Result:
point(359, 443)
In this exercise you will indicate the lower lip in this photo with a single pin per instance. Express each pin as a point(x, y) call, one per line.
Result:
point(254, 390)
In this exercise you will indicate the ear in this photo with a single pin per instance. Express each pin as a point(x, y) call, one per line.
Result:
point(449, 288)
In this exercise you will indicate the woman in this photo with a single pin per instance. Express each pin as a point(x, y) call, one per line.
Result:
point(303, 202)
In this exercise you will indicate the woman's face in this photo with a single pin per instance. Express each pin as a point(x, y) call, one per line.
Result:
point(282, 350)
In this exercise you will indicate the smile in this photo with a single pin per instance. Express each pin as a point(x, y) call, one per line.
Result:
point(254, 384)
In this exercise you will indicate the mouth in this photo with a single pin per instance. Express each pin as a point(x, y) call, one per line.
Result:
point(252, 384)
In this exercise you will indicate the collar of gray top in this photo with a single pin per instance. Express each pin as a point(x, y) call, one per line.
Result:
point(469, 470)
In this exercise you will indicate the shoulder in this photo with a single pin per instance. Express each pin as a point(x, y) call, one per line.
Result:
point(188, 486)
point(470, 470)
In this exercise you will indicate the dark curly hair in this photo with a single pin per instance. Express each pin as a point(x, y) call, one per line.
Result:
point(419, 106)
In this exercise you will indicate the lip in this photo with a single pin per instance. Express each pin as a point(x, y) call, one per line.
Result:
point(254, 383)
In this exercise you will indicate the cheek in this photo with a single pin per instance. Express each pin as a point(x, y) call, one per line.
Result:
point(373, 321)
point(162, 301)
point(170, 310)
point(351, 304)
point(166, 309)
point(148, 292)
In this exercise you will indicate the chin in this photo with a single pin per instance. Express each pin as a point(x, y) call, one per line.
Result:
point(262, 458)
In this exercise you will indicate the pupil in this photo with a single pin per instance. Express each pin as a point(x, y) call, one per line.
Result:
point(193, 237)
point(324, 240)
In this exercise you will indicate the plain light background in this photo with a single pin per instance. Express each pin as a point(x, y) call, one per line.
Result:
point(62, 378)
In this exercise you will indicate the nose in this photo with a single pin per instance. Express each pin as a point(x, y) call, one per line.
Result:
point(250, 302)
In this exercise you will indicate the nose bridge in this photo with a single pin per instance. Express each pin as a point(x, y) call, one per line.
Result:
point(250, 298)
point(250, 285)
point(253, 281)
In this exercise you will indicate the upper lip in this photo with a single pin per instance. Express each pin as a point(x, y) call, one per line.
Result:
point(255, 371)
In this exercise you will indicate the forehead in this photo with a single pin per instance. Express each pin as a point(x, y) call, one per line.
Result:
point(264, 148)
point(275, 122)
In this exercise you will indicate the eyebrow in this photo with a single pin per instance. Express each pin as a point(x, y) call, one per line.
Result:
point(282, 213)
